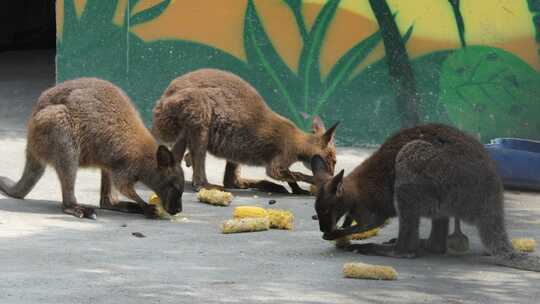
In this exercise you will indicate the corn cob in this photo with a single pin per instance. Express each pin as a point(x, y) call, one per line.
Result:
point(161, 212)
point(215, 197)
point(524, 244)
point(371, 272)
point(249, 211)
point(280, 219)
point(365, 235)
point(250, 224)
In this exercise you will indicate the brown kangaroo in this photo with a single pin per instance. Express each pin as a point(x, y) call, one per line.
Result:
point(432, 171)
point(89, 122)
point(216, 111)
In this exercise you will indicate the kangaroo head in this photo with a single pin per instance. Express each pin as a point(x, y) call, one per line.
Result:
point(329, 203)
point(323, 143)
point(171, 181)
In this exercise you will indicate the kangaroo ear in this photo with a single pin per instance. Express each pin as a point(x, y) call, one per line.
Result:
point(165, 158)
point(318, 126)
point(318, 165)
point(328, 136)
point(336, 185)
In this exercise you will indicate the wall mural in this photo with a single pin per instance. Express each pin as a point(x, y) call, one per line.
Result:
point(375, 65)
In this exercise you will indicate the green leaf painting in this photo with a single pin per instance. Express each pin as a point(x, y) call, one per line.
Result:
point(309, 69)
point(491, 93)
point(149, 14)
point(484, 90)
point(265, 60)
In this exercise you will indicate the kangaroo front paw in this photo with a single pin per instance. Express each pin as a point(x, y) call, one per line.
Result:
point(80, 211)
point(150, 212)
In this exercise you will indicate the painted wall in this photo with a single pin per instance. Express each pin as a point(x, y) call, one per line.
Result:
point(375, 65)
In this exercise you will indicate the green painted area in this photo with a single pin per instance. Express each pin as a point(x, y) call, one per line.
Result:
point(491, 93)
point(484, 90)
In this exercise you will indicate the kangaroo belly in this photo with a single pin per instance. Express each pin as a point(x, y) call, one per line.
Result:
point(239, 144)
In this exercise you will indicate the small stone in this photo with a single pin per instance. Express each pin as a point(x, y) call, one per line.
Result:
point(123, 225)
point(271, 202)
point(138, 234)
point(315, 217)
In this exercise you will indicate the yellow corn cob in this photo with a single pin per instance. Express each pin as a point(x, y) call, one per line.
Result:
point(346, 240)
point(161, 212)
point(215, 197)
point(249, 211)
point(524, 244)
point(250, 224)
point(280, 219)
point(365, 235)
point(371, 272)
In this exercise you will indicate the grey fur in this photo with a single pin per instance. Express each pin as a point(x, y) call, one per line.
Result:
point(439, 172)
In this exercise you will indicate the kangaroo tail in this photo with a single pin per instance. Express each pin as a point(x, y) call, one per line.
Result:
point(33, 170)
point(521, 261)
point(494, 237)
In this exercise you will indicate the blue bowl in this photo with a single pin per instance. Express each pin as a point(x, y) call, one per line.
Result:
point(518, 162)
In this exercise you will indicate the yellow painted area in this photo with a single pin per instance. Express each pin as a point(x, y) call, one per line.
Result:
point(281, 27)
point(59, 18)
point(215, 23)
point(79, 6)
point(120, 12)
point(503, 23)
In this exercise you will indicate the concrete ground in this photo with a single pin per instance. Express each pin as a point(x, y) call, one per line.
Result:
point(50, 257)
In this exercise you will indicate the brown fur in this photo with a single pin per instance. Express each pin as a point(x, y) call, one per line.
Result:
point(89, 122)
point(216, 111)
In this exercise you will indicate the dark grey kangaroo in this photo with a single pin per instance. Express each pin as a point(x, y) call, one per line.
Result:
point(432, 171)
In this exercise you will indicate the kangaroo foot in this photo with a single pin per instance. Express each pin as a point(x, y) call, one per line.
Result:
point(436, 247)
point(269, 186)
point(387, 250)
point(208, 186)
point(150, 212)
point(458, 243)
point(80, 211)
point(297, 190)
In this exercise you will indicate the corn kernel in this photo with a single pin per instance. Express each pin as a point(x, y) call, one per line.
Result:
point(215, 197)
point(524, 244)
point(250, 224)
point(249, 211)
point(370, 272)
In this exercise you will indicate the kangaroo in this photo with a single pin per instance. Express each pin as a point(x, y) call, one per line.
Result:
point(432, 171)
point(89, 122)
point(216, 111)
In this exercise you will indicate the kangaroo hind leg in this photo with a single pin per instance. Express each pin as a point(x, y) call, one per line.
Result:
point(52, 136)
